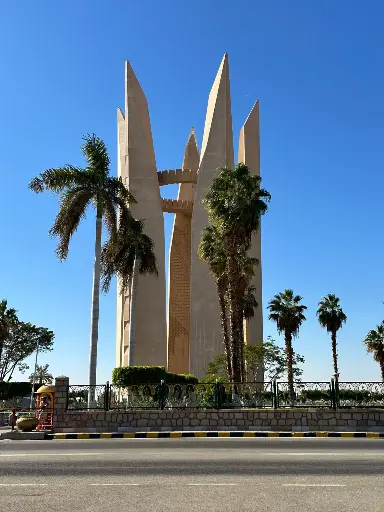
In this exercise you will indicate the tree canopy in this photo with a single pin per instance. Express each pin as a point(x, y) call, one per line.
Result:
point(20, 343)
point(267, 355)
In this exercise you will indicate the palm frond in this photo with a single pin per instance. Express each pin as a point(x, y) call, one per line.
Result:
point(96, 155)
point(330, 314)
point(58, 179)
point(119, 255)
point(117, 189)
point(72, 210)
point(287, 312)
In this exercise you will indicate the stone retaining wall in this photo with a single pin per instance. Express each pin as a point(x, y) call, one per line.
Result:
point(286, 420)
point(368, 420)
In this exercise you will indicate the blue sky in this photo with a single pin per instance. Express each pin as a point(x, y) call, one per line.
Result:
point(317, 69)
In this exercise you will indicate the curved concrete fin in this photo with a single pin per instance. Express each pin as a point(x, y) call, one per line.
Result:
point(218, 137)
point(249, 141)
point(180, 271)
point(140, 142)
point(147, 339)
point(249, 154)
point(217, 151)
point(190, 161)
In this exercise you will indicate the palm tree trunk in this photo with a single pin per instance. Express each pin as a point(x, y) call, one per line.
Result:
point(334, 355)
point(382, 368)
point(224, 325)
point(241, 350)
point(95, 308)
point(132, 317)
point(235, 310)
point(289, 357)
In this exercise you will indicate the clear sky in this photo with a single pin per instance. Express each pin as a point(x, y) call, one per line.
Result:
point(317, 67)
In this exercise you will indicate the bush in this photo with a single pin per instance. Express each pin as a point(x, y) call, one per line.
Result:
point(137, 375)
point(180, 378)
point(14, 389)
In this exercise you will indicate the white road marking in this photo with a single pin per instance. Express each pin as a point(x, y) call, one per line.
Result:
point(107, 485)
point(23, 485)
point(314, 485)
point(211, 484)
point(59, 454)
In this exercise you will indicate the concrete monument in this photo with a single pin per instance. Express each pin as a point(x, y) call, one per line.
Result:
point(191, 337)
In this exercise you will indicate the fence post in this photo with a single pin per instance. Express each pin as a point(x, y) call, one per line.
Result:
point(275, 397)
point(162, 396)
point(106, 396)
point(216, 394)
point(333, 394)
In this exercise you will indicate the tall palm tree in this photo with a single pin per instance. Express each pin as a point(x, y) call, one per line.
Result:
point(8, 319)
point(78, 189)
point(374, 341)
point(235, 202)
point(286, 310)
point(41, 376)
point(332, 317)
point(212, 252)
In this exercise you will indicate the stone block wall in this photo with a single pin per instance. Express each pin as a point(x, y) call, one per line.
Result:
point(193, 419)
point(299, 420)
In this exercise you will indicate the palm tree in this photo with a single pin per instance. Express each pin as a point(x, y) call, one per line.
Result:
point(130, 253)
point(212, 252)
point(332, 317)
point(79, 188)
point(374, 341)
point(8, 319)
point(131, 250)
point(235, 202)
point(287, 312)
point(41, 376)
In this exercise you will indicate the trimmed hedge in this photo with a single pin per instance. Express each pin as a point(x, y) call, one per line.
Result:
point(137, 375)
point(14, 389)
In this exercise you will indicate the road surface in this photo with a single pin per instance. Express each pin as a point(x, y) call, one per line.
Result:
point(202, 475)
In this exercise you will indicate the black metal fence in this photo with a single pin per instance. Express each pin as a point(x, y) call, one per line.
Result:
point(217, 395)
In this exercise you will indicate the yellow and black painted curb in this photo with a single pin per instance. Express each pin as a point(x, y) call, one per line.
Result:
point(177, 435)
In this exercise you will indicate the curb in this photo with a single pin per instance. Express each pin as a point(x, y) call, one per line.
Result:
point(178, 435)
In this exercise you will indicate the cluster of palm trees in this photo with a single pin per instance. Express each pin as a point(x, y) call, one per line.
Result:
point(287, 311)
point(235, 203)
point(127, 249)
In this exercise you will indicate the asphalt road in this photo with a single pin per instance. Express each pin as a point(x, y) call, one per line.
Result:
point(204, 475)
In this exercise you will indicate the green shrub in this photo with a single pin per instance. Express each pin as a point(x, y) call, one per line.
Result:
point(14, 389)
point(137, 375)
point(180, 378)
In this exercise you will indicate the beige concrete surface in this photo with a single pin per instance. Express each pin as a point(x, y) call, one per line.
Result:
point(144, 335)
point(180, 268)
point(249, 154)
point(217, 151)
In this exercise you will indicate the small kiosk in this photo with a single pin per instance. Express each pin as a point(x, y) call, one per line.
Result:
point(45, 401)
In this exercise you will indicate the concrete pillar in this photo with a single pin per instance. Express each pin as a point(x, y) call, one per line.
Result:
point(180, 271)
point(141, 337)
point(61, 400)
point(249, 154)
point(217, 151)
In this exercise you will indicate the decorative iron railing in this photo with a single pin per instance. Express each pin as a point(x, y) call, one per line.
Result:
point(17, 402)
point(87, 397)
point(304, 394)
point(218, 395)
point(359, 394)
